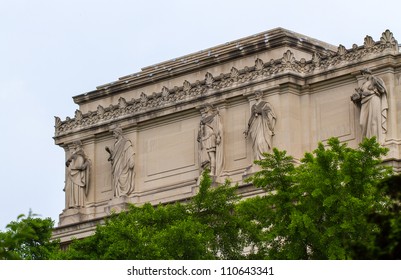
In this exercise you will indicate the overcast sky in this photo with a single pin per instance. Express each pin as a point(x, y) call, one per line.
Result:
point(52, 50)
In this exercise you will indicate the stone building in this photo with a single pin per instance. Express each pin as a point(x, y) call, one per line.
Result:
point(148, 136)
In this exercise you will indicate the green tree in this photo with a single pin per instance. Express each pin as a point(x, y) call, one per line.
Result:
point(215, 208)
point(337, 203)
point(203, 228)
point(146, 232)
point(320, 208)
point(28, 238)
point(387, 244)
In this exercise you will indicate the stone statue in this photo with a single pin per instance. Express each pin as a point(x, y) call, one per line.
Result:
point(261, 126)
point(210, 138)
point(77, 181)
point(372, 97)
point(122, 164)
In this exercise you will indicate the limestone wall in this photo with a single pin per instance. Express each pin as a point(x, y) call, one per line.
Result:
point(306, 83)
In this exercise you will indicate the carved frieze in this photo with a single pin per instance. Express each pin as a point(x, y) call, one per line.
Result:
point(259, 64)
point(122, 103)
point(288, 60)
point(165, 94)
point(234, 74)
point(387, 40)
point(341, 50)
point(78, 115)
point(316, 60)
point(186, 87)
point(258, 71)
point(368, 42)
point(57, 122)
point(209, 79)
point(100, 111)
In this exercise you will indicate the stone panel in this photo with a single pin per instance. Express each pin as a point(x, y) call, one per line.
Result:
point(335, 115)
point(168, 154)
point(103, 172)
point(237, 151)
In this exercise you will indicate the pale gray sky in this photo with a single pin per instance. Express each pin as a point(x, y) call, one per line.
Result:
point(52, 50)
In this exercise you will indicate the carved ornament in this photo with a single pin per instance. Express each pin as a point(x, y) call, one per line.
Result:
point(191, 91)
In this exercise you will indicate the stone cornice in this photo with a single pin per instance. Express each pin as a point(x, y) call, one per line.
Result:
point(274, 38)
point(260, 71)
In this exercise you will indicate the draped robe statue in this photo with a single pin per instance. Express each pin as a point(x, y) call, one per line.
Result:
point(372, 98)
point(210, 138)
point(77, 181)
point(261, 127)
point(122, 164)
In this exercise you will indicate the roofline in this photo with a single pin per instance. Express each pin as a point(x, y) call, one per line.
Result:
point(271, 39)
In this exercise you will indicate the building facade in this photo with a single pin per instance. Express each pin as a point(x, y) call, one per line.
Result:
point(148, 136)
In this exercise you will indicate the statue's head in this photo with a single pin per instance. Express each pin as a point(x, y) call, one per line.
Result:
point(118, 131)
point(77, 145)
point(258, 94)
point(366, 71)
point(208, 108)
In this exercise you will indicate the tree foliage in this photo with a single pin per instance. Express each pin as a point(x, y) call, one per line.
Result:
point(203, 228)
point(28, 238)
point(146, 232)
point(336, 203)
point(319, 209)
point(215, 208)
point(387, 244)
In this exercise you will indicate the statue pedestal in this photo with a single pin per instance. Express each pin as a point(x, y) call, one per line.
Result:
point(215, 180)
point(250, 170)
point(69, 216)
point(76, 215)
point(117, 205)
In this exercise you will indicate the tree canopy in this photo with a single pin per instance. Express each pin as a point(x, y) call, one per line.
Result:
point(28, 238)
point(320, 208)
point(337, 202)
point(202, 228)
